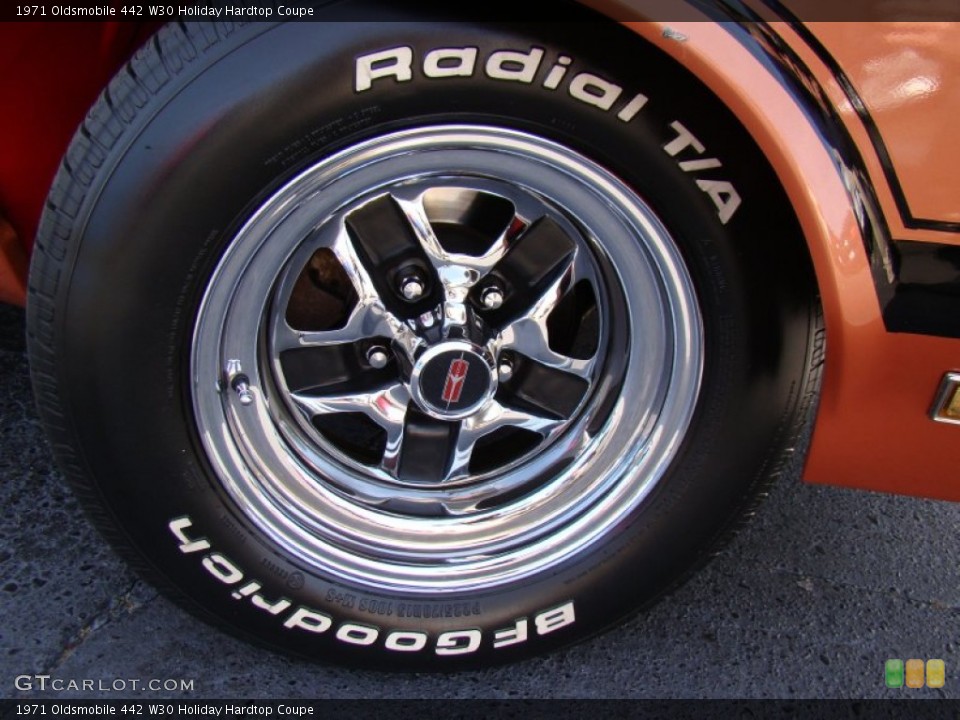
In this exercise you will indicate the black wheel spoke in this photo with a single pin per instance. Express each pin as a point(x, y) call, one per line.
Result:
point(339, 368)
point(543, 389)
point(390, 250)
point(532, 263)
point(428, 447)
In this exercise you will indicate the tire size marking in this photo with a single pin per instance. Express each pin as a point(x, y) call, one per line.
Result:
point(524, 66)
point(453, 642)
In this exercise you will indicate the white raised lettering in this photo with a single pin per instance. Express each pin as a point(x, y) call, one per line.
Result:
point(308, 620)
point(273, 608)
point(222, 569)
point(458, 642)
point(450, 62)
point(702, 164)
point(357, 634)
point(406, 641)
point(514, 65)
point(246, 590)
point(631, 109)
point(186, 544)
point(396, 62)
point(550, 620)
point(594, 90)
point(724, 196)
point(683, 140)
point(511, 636)
point(557, 72)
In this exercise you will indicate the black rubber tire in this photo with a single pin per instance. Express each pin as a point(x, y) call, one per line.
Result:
point(203, 123)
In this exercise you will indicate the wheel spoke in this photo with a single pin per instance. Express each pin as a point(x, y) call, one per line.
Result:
point(576, 268)
point(388, 246)
point(365, 321)
point(394, 445)
point(457, 272)
point(543, 389)
point(460, 271)
point(427, 448)
point(367, 292)
point(525, 214)
point(493, 417)
point(333, 370)
point(386, 407)
point(370, 317)
point(528, 273)
point(416, 215)
point(529, 336)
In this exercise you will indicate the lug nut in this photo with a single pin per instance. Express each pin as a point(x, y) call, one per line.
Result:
point(492, 297)
point(427, 319)
point(505, 369)
point(412, 288)
point(377, 357)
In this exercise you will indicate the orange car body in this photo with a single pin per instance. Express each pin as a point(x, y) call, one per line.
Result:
point(855, 118)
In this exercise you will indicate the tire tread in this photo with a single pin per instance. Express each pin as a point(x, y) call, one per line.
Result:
point(140, 84)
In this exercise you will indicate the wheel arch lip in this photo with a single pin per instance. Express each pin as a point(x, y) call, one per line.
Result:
point(871, 429)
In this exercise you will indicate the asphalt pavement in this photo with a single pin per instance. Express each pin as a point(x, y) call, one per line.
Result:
point(809, 601)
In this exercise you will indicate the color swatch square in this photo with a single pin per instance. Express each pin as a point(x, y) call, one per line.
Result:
point(914, 673)
point(893, 673)
point(936, 673)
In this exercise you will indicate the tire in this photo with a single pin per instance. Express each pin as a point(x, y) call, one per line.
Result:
point(424, 370)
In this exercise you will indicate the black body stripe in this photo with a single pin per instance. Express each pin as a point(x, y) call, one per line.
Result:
point(860, 107)
point(917, 283)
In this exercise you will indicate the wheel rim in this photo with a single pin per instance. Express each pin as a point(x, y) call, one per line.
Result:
point(446, 359)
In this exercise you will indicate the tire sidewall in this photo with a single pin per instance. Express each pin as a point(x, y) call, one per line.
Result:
point(276, 100)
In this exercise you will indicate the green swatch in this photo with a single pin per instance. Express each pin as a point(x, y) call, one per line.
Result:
point(893, 672)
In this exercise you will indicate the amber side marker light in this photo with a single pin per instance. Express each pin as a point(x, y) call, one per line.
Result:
point(946, 407)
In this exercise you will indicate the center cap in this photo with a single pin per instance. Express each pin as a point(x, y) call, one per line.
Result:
point(452, 380)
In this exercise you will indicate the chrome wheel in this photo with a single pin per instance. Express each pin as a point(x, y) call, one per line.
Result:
point(446, 359)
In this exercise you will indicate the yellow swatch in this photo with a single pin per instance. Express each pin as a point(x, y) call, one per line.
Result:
point(936, 673)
